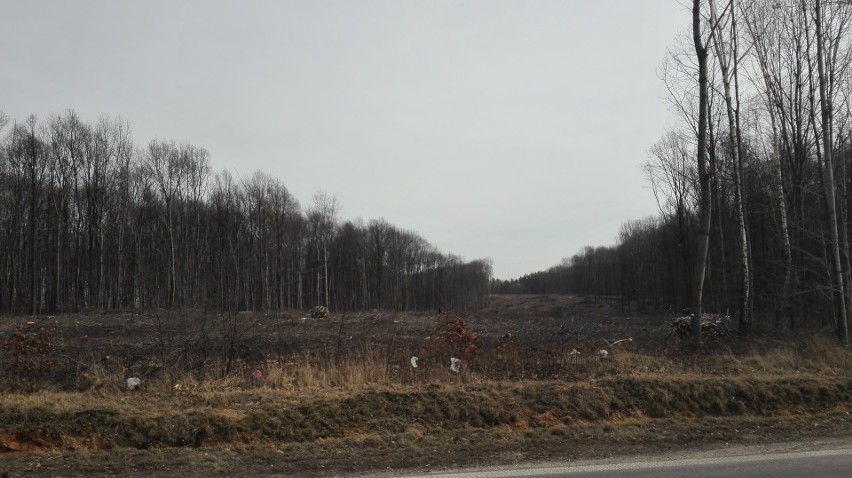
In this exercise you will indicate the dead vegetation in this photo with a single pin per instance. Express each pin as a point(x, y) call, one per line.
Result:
point(530, 369)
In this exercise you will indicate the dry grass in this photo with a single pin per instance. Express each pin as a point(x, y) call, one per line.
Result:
point(348, 383)
point(317, 374)
point(205, 415)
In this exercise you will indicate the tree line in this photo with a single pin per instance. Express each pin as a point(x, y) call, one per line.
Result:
point(88, 220)
point(753, 182)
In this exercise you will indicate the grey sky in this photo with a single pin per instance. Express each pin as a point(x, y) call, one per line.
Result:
point(510, 130)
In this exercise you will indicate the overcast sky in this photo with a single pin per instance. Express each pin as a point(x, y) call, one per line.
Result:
point(513, 130)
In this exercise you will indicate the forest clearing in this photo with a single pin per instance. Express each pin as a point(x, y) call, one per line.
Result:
point(202, 304)
point(286, 393)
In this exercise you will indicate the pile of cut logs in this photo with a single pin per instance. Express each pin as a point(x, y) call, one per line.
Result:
point(319, 312)
point(712, 325)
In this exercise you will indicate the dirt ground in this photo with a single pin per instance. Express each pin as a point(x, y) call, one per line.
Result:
point(150, 343)
point(785, 390)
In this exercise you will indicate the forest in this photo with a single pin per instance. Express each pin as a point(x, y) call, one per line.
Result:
point(90, 221)
point(758, 227)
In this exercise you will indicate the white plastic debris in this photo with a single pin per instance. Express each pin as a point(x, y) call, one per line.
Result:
point(133, 383)
point(603, 353)
point(455, 364)
point(414, 361)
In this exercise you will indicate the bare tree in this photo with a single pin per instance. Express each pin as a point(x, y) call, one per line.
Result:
point(762, 24)
point(322, 218)
point(828, 145)
point(162, 164)
point(726, 49)
point(671, 173)
point(703, 178)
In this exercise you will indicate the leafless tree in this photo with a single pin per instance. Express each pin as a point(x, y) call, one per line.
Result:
point(762, 22)
point(703, 177)
point(726, 48)
point(322, 218)
point(826, 106)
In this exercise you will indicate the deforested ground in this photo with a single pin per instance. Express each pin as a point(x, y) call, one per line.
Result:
point(256, 394)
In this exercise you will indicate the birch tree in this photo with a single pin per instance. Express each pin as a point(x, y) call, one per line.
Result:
point(763, 24)
point(726, 49)
point(825, 106)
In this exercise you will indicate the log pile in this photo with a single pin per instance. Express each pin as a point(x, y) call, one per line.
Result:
point(712, 325)
point(319, 312)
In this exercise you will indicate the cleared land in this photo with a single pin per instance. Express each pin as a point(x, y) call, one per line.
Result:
point(339, 395)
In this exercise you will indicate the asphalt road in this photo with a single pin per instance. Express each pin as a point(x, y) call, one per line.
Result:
point(836, 463)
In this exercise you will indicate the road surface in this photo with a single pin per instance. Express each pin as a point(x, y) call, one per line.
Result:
point(833, 463)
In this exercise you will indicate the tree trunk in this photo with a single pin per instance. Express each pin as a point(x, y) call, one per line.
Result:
point(325, 273)
point(172, 258)
point(825, 108)
point(703, 176)
point(735, 138)
point(775, 107)
point(786, 289)
point(57, 278)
